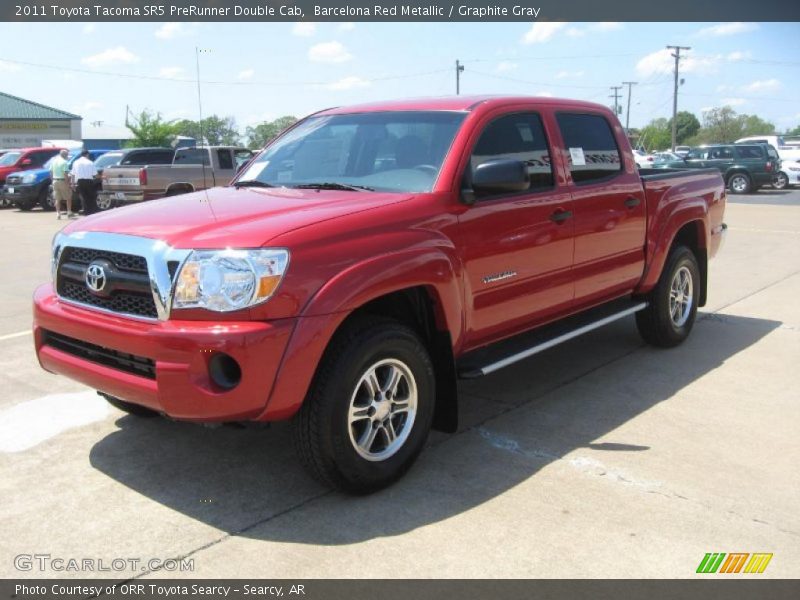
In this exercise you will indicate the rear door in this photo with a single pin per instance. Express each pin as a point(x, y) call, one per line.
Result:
point(516, 247)
point(721, 158)
point(608, 205)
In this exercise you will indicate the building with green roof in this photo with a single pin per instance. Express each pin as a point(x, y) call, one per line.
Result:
point(25, 123)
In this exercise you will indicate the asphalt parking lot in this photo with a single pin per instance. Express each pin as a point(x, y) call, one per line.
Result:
point(599, 458)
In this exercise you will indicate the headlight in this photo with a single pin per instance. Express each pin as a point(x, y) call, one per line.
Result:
point(55, 250)
point(226, 280)
point(29, 178)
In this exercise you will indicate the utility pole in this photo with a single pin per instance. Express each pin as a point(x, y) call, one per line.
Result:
point(615, 96)
point(459, 70)
point(677, 56)
point(628, 113)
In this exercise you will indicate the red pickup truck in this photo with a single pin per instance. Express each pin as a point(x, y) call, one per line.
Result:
point(366, 259)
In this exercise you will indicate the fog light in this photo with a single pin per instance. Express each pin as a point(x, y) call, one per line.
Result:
point(224, 371)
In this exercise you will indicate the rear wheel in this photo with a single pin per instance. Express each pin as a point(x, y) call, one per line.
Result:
point(672, 305)
point(739, 183)
point(128, 407)
point(370, 407)
point(780, 182)
point(104, 203)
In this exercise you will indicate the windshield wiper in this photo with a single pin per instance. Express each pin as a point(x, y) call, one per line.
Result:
point(252, 183)
point(334, 186)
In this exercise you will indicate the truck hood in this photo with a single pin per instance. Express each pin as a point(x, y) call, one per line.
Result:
point(225, 216)
point(39, 174)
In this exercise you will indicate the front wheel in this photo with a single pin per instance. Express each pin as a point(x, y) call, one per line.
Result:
point(672, 305)
point(781, 181)
point(47, 199)
point(369, 410)
point(739, 183)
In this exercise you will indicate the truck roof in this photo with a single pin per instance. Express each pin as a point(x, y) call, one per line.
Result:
point(458, 103)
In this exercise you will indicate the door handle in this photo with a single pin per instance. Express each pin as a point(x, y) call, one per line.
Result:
point(632, 202)
point(560, 215)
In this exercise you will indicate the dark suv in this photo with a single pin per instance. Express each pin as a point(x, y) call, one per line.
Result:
point(744, 167)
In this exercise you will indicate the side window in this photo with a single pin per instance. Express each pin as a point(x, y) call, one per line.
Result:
point(593, 152)
point(519, 137)
point(162, 157)
point(131, 158)
point(722, 153)
point(224, 159)
point(39, 158)
point(748, 152)
point(241, 156)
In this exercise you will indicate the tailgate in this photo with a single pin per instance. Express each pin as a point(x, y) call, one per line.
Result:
point(121, 178)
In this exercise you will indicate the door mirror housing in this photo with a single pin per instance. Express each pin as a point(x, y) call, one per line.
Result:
point(26, 162)
point(499, 176)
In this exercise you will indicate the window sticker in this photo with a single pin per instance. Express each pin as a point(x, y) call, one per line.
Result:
point(254, 170)
point(578, 159)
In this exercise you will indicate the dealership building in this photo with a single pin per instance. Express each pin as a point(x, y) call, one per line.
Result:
point(25, 123)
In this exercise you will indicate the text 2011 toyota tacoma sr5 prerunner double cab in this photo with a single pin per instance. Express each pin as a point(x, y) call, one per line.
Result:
point(366, 259)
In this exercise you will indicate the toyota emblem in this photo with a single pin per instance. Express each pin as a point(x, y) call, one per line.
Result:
point(95, 278)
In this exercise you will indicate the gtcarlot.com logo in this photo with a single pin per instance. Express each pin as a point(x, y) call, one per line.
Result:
point(47, 562)
point(734, 562)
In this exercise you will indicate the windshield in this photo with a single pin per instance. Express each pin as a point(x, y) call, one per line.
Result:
point(107, 160)
point(9, 158)
point(384, 151)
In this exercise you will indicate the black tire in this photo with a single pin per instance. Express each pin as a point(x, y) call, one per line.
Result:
point(129, 407)
point(5, 202)
point(27, 204)
point(781, 181)
point(46, 199)
point(655, 323)
point(740, 183)
point(324, 438)
point(103, 205)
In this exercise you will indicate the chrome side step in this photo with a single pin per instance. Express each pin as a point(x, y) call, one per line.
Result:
point(489, 360)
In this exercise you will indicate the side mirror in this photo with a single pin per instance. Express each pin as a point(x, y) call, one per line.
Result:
point(26, 162)
point(501, 175)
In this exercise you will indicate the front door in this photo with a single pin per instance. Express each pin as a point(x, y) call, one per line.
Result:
point(517, 247)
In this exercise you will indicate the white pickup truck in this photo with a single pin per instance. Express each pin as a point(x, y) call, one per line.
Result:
point(192, 169)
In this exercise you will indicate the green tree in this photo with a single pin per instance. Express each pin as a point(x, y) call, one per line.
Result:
point(795, 131)
point(687, 126)
point(217, 131)
point(262, 133)
point(150, 129)
point(656, 135)
point(753, 125)
point(720, 125)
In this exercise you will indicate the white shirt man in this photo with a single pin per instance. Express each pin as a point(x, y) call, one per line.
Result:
point(83, 175)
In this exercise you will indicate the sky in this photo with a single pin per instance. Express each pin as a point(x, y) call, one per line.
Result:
point(261, 71)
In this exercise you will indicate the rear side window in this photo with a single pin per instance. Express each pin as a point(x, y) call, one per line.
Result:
point(224, 158)
point(519, 137)
point(749, 152)
point(721, 153)
point(191, 156)
point(39, 158)
point(593, 152)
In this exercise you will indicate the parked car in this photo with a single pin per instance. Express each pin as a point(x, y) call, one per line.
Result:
point(22, 159)
point(788, 175)
point(365, 259)
point(643, 159)
point(744, 167)
point(26, 189)
point(682, 150)
point(192, 169)
point(785, 150)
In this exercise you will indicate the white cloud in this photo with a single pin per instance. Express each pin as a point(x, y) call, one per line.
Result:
point(170, 71)
point(178, 113)
point(764, 85)
point(739, 55)
point(575, 32)
point(302, 29)
point(505, 66)
point(727, 29)
point(544, 94)
point(348, 83)
point(253, 120)
point(87, 106)
point(246, 74)
point(542, 32)
point(662, 61)
point(346, 26)
point(606, 26)
point(7, 67)
point(89, 28)
point(170, 30)
point(569, 74)
point(329, 52)
point(732, 101)
point(112, 56)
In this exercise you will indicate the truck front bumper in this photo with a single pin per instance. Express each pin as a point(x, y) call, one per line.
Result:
point(168, 366)
point(21, 193)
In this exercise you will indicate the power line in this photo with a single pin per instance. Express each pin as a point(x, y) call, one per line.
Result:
point(459, 70)
point(548, 84)
point(677, 56)
point(615, 96)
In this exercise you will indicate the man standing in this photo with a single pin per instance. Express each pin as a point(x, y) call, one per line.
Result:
point(61, 189)
point(83, 174)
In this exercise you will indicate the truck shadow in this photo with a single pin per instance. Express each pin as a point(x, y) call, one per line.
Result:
point(247, 481)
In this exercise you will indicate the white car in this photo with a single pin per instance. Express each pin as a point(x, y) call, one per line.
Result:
point(785, 151)
point(788, 175)
point(682, 150)
point(643, 159)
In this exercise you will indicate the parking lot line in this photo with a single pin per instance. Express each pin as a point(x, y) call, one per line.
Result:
point(10, 336)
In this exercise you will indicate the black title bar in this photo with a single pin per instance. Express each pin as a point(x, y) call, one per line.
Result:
point(390, 10)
